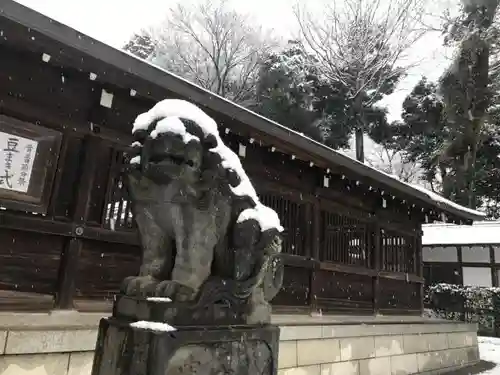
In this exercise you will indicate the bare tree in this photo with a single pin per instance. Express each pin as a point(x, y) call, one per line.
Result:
point(362, 44)
point(393, 162)
point(212, 46)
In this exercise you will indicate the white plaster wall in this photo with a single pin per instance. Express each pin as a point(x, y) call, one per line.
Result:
point(477, 276)
point(476, 254)
point(440, 254)
point(496, 249)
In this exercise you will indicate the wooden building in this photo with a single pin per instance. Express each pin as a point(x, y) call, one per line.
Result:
point(462, 255)
point(67, 239)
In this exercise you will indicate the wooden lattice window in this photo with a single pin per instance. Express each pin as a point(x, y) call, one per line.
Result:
point(117, 213)
point(344, 240)
point(397, 251)
point(292, 219)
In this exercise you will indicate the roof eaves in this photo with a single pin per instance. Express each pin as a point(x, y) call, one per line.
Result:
point(157, 76)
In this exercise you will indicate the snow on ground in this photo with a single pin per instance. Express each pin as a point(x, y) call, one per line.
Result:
point(489, 349)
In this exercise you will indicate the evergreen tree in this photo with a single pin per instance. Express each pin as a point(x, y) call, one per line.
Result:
point(453, 128)
point(292, 91)
point(140, 45)
point(466, 96)
point(425, 131)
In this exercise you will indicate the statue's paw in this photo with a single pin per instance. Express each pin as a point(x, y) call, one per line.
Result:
point(166, 288)
point(174, 290)
point(139, 286)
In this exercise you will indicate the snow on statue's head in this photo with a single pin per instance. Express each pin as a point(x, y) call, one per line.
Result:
point(176, 140)
point(173, 148)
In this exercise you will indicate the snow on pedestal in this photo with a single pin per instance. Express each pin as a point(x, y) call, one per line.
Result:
point(153, 326)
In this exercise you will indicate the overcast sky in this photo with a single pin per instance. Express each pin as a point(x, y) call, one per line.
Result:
point(114, 21)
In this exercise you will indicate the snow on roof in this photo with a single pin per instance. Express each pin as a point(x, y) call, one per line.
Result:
point(440, 199)
point(481, 232)
point(170, 111)
point(80, 44)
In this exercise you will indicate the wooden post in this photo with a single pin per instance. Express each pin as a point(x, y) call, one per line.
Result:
point(71, 254)
point(419, 266)
point(460, 265)
point(496, 296)
point(68, 270)
point(376, 266)
point(307, 224)
point(316, 230)
point(315, 212)
point(494, 278)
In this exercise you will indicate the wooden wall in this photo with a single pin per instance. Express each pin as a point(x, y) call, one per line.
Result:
point(346, 248)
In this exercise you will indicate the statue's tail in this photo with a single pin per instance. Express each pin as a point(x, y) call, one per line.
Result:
point(269, 269)
point(273, 278)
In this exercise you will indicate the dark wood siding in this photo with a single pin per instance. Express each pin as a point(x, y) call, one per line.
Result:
point(344, 250)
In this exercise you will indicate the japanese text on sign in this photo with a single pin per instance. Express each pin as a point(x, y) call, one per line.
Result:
point(16, 162)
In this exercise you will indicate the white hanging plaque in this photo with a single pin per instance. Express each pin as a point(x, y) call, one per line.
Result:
point(16, 162)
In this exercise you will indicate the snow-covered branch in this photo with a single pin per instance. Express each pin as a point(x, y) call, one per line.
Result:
point(213, 46)
point(362, 43)
point(394, 162)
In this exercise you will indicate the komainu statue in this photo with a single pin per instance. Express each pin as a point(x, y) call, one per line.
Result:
point(207, 239)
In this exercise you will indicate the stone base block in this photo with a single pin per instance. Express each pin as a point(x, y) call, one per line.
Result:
point(147, 348)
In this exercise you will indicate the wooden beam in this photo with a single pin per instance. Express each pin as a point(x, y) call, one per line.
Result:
point(10, 220)
point(30, 112)
point(70, 257)
point(298, 261)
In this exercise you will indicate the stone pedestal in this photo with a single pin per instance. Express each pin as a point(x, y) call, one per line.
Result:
point(151, 346)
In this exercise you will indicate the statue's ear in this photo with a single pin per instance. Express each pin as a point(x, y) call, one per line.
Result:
point(140, 135)
point(232, 177)
point(193, 128)
point(211, 160)
point(210, 141)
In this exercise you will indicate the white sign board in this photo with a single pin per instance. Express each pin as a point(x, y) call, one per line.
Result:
point(17, 155)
